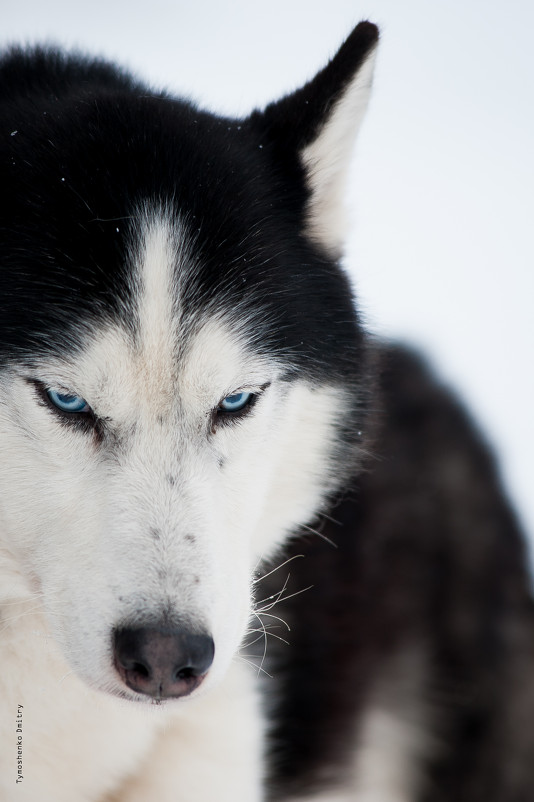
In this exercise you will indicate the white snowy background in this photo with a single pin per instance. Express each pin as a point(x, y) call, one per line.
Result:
point(442, 186)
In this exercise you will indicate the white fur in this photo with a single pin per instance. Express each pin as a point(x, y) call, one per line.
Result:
point(162, 514)
point(327, 158)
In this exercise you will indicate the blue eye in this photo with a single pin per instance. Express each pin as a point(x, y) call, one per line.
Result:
point(67, 403)
point(236, 402)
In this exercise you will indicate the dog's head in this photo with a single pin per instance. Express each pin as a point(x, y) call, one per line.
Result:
point(182, 364)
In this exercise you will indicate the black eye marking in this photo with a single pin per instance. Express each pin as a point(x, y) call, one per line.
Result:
point(236, 406)
point(70, 409)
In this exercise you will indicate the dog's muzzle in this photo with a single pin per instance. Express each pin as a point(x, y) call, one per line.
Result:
point(162, 663)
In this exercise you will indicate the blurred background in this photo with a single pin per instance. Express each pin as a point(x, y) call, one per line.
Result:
point(442, 185)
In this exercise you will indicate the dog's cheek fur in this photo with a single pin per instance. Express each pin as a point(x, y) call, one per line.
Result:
point(41, 481)
point(288, 463)
point(50, 520)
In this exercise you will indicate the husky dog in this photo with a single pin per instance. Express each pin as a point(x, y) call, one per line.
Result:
point(206, 463)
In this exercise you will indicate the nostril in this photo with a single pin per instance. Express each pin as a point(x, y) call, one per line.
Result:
point(185, 673)
point(123, 661)
point(140, 669)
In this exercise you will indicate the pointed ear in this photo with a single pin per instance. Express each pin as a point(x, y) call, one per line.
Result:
point(318, 125)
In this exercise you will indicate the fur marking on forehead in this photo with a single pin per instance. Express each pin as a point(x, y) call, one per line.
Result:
point(155, 274)
point(162, 353)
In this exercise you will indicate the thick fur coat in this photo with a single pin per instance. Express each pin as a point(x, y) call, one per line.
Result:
point(246, 552)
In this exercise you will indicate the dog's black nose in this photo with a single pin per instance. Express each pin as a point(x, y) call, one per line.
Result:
point(163, 663)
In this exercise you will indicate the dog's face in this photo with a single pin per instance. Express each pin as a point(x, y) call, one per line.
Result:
point(173, 402)
point(191, 459)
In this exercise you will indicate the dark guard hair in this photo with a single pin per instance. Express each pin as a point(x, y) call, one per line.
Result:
point(428, 556)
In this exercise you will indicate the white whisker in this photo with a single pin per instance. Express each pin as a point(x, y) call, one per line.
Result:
point(290, 559)
point(319, 534)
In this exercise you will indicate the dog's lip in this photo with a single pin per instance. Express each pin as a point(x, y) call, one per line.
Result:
point(137, 698)
point(144, 700)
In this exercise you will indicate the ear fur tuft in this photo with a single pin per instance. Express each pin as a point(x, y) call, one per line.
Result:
point(318, 125)
point(326, 160)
